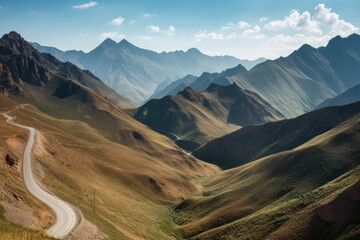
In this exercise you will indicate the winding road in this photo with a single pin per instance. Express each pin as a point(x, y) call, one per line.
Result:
point(67, 219)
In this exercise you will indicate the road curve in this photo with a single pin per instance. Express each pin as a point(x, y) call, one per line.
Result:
point(66, 217)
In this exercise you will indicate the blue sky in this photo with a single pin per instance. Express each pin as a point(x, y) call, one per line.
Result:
point(245, 29)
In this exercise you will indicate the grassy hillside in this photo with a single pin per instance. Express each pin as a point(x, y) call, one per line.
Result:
point(310, 192)
point(87, 144)
point(197, 117)
point(253, 142)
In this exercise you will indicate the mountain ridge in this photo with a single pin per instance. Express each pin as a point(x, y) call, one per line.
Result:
point(254, 142)
point(301, 81)
point(197, 117)
point(135, 72)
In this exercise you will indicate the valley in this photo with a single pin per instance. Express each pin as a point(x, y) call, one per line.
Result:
point(179, 121)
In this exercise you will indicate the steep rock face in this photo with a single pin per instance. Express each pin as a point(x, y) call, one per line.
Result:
point(198, 117)
point(20, 62)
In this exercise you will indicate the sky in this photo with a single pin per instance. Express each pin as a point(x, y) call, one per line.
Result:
point(244, 29)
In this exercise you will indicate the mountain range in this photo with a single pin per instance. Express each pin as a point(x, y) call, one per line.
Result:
point(200, 83)
point(349, 96)
point(84, 144)
point(294, 178)
point(135, 73)
point(254, 142)
point(301, 81)
point(21, 64)
point(197, 117)
point(309, 192)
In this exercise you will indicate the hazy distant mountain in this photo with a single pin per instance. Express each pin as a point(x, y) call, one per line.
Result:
point(199, 83)
point(248, 64)
point(254, 142)
point(350, 96)
point(135, 73)
point(20, 63)
point(174, 87)
point(197, 117)
point(301, 81)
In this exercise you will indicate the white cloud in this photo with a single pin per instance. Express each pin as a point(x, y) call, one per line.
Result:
point(208, 35)
point(295, 21)
point(117, 21)
point(152, 28)
point(85, 5)
point(243, 25)
point(332, 20)
point(238, 25)
point(112, 35)
point(253, 33)
point(263, 19)
point(171, 30)
point(148, 15)
point(248, 32)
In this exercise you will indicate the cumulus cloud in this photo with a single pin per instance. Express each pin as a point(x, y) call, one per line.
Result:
point(243, 25)
point(85, 5)
point(117, 21)
point(171, 30)
point(153, 29)
point(248, 32)
point(112, 35)
point(332, 20)
point(297, 21)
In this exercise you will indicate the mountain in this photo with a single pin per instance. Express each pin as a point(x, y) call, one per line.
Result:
point(248, 64)
point(88, 151)
point(300, 82)
point(134, 72)
point(199, 83)
point(310, 192)
point(253, 142)
point(20, 63)
point(197, 117)
point(174, 87)
point(349, 96)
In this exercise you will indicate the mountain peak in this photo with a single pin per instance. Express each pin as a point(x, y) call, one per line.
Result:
point(108, 42)
point(15, 42)
point(337, 41)
point(225, 88)
point(305, 48)
point(13, 35)
point(234, 71)
point(194, 51)
point(126, 43)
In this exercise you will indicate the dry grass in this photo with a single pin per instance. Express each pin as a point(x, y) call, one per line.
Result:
point(276, 197)
point(135, 180)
